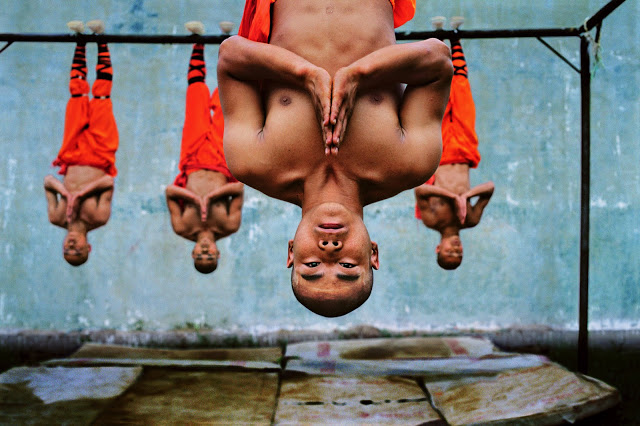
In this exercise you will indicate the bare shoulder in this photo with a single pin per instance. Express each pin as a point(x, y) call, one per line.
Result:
point(381, 153)
point(277, 159)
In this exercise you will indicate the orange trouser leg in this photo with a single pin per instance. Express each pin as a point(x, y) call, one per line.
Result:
point(102, 127)
point(197, 66)
point(462, 111)
point(79, 64)
point(459, 138)
point(197, 118)
point(76, 115)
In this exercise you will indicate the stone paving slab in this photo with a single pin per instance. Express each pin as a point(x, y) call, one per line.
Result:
point(115, 355)
point(393, 349)
point(353, 400)
point(39, 395)
point(164, 396)
point(548, 394)
point(434, 369)
point(92, 350)
point(468, 380)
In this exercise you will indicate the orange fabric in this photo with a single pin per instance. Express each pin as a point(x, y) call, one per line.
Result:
point(202, 135)
point(90, 131)
point(403, 11)
point(459, 138)
point(256, 18)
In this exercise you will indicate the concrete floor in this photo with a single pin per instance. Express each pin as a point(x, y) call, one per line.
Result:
point(316, 385)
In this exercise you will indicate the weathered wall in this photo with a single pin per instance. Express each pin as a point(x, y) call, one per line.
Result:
point(521, 262)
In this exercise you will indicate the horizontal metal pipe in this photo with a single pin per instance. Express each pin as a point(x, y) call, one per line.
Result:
point(217, 39)
point(488, 34)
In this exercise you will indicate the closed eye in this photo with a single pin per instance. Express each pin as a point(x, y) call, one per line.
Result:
point(311, 277)
point(345, 277)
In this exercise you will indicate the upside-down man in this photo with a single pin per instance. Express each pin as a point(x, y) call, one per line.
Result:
point(205, 200)
point(443, 203)
point(82, 201)
point(287, 105)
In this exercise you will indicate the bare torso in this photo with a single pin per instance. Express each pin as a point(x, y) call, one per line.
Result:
point(330, 34)
point(201, 183)
point(78, 178)
point(442, 204)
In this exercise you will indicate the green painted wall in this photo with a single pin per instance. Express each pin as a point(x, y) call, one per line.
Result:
point(521, 263)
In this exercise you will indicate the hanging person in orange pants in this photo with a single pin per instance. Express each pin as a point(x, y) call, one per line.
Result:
point(82, 201)
point(205, 200)
point(444, 201)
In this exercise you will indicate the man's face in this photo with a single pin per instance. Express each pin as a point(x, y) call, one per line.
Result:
point(76, 248)
point(332, 255)
point(450, 249)
point(205, 251)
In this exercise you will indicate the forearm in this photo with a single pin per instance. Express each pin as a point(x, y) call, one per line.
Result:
point(103, 184)
point(425, 191)
point(246, 60)
point(484, 190)
point(53, 185)
point(416, 64)
point(228, 190)
point(174, 192)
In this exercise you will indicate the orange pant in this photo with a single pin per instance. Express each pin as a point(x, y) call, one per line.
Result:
point(459, 138)
point(90, 132)
point(256, 19)
point(202, 135)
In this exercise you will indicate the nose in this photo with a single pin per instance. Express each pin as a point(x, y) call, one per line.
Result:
point(329, 246)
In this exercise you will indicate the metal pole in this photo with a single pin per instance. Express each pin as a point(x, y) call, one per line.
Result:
point(599, 16)
point(583, 316)
point(217, 39)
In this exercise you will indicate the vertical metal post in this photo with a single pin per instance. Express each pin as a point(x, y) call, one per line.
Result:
point(583, 316)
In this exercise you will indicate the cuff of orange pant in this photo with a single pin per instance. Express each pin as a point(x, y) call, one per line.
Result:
point(101, 88)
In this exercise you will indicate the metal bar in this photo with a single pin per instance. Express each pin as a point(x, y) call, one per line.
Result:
point(114, 38)
point(599, 16)
point(5, 46)
point(489, 34)
point(585, 177)
point(558, 54)
point(217, 39)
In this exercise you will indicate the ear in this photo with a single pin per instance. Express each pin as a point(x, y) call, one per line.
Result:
point(89, 245)
point(290, 254)
point(375, 260)
point(438, 249)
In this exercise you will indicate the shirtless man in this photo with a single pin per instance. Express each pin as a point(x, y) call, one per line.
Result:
point(82, 201)
point(287, 105)
point(205, 200)
point(444, 202)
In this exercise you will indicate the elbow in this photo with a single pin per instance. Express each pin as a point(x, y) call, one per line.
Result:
point(228, 53)
point(438, 56)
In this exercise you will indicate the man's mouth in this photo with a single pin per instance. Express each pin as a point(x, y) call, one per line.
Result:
point(331, 226)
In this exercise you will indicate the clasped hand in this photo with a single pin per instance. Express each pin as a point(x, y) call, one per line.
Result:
point(333, 100)
point(461, 208)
